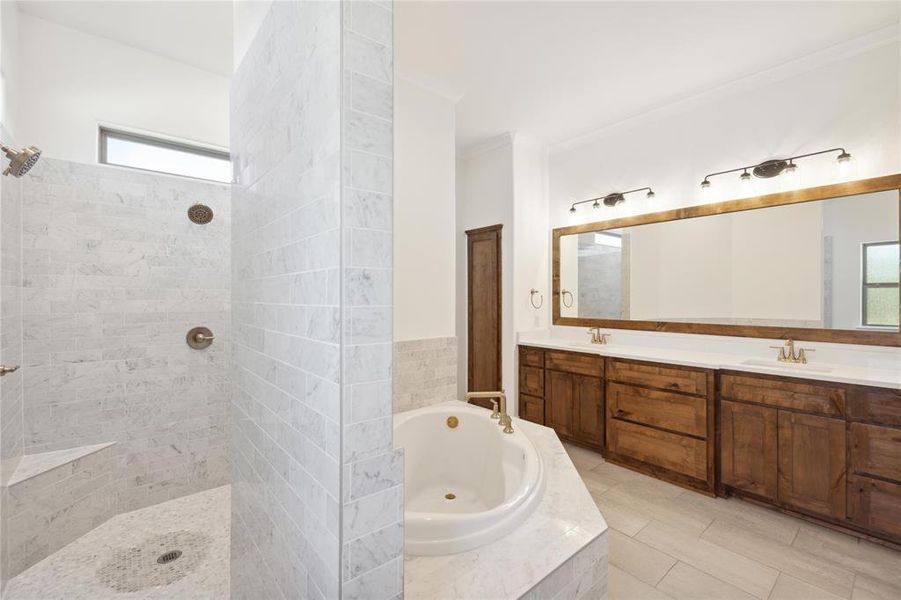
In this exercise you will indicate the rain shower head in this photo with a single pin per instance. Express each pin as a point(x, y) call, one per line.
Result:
point(20, 161)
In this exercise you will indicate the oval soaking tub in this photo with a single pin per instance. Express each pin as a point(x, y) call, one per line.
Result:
point(466, 482)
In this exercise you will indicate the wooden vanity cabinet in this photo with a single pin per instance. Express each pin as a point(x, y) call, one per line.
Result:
point(564, 391)
point(827, 450)
point(660, 421)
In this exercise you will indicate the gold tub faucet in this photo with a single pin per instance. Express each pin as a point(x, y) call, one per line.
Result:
point(504, 419)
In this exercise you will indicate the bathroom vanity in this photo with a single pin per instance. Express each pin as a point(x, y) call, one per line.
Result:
point(691, 388)
point(822, 449)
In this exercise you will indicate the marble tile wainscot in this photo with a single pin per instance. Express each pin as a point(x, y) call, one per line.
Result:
point(425, 372)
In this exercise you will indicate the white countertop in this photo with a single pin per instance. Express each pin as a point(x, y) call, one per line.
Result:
point(842, 373)
point(563, 523)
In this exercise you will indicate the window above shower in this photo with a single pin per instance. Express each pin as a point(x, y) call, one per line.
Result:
point(137, 151)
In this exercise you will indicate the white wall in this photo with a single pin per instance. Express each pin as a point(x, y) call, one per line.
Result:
point(485, 197)
point(851, 222)
point(847, 97)
point(424, 214)
point(9, 67)
point(531, 238)
point(71, 81)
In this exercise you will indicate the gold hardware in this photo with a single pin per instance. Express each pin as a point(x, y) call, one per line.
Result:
point(4, 370)
point(597, 337)
point(200, 338)
point(504, 419)
point(787, 353)
point(450, 496)
point(452, 422)
point(495, 413)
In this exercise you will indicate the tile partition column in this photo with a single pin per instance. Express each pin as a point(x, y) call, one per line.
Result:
point(372, 514)
point(317, 494)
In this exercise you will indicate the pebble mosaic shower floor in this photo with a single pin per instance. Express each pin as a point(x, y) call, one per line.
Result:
point(119, 559)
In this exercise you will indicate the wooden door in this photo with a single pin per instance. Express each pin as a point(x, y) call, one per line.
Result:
point(558, 401)
point(484, 308)
point(748, 448)
point(588, 409)
point(812, 463)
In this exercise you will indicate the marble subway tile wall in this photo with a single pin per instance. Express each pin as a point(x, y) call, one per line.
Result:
point(54, 507)
point(11, 408)
point(114, 276)
point(286, 411)
point(372, 515)
point(425, 372)
point(317, 496)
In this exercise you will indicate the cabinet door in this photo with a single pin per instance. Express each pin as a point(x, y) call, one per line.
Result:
point(531, 409)
point(748, 448)
point(812, 463)
point(558, 401)
point(588, 409)
point(875, 505)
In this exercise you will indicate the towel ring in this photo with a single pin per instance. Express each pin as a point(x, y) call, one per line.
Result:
point(532, 293)
point(563, 297)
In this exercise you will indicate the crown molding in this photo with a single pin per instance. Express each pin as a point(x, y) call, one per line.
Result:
point(792, 68)
point(498, 141)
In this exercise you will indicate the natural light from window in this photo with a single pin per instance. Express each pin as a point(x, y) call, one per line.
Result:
point(139, 152)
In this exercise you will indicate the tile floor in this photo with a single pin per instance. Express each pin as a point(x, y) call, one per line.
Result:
point(121, 554)
point(670, 543)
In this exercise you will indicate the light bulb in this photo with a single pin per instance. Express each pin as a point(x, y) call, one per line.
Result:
point(845, 165)
point(790, 176)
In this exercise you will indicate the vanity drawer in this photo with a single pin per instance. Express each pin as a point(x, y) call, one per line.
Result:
point(675, 412)
point(531, 409)
point(815, 398)
point(875, 451)
point(531, 380)
point(671, 451)
point(572, 362)
point(677, 379)
point(534, 357)
point(880, 405)
point(875, 505)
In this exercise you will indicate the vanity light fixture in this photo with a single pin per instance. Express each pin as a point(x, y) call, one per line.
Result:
point(777, 166)
point(611, 199)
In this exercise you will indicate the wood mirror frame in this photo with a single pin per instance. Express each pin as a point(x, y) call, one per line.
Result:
point(825, 192)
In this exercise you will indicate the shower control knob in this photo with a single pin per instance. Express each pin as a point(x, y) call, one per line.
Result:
point(200, 338)
point(4, 370)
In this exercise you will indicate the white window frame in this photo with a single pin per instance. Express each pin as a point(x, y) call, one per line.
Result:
point(107, 133)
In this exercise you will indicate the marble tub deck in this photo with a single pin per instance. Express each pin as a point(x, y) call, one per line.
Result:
point(566, 523)
point(75, 571)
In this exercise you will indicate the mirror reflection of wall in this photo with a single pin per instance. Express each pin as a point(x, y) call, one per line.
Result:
point(796, 265)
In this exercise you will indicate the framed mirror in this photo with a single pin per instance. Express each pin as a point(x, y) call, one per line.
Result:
point(818, 264)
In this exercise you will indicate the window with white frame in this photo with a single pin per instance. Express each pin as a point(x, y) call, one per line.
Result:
point(143, 152)
point(879, 294)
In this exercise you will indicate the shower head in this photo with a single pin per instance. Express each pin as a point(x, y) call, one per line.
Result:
point(20, 161)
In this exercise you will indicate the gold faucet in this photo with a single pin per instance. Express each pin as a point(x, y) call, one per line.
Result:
point(787, 353)
point(597, 337)
point(504, 419)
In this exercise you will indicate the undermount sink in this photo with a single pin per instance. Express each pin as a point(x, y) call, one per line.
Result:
point(773, 364)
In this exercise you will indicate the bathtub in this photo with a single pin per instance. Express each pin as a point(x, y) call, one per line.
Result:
point(464, 486)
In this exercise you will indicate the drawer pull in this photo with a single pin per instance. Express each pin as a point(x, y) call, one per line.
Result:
point(619, 413)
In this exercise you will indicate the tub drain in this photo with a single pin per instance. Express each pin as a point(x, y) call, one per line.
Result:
point(168, 557)
point(450, 496)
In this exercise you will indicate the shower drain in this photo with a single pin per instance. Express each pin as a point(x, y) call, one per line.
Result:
point(168, 557)
point(157, 561)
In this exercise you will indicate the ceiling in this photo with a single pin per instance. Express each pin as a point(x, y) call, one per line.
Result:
point(198, 33)
point(557, 70)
